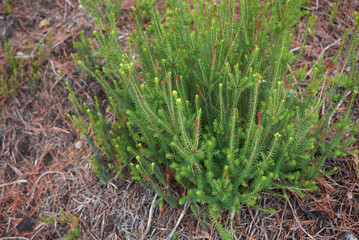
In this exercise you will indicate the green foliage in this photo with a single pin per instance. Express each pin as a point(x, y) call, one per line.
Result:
point(85, 52)
point(213, 102)
point(175, 236)
point(7, 7)
point(142, 9)
point(49, 42)
point(214, 213)
point(8, 83)
point(24, 66)
point(333, 14)
point(117, 8)
point(65, 219)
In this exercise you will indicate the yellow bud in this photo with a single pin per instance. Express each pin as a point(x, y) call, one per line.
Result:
point(277, 135)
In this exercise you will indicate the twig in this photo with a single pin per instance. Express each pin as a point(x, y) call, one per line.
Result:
point(179, 220)
point(117, 175)
point(54, 70)
point(338, 106)
point(231, 220)
point(296, 219)
point(24, 56)
point(102, 225)
point(313, 8)
point(327, 47)
point(298, 48)
point(5, 238)
point(37, 181)
point(15, 182)
point(22, 119)
point(149, 218)
point(69, 3)
point(322, 53)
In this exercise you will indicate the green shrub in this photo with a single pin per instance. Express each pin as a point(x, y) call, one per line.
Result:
point(213, 104)
point(25, 67)
point(65, 219)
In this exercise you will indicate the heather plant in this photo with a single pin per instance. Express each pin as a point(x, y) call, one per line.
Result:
point(333, 13)
point(24, 67)
point(7, 7)
point(85, 52)
point(143, 8)
point(117, 8)
point(212, 100)
point(64, 219)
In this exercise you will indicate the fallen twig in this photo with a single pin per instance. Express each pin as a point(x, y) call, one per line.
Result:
point(296, 219)
point(5, 238)
point(37, 181)
point(179, 220)
point(149, 217)
point(15, 182)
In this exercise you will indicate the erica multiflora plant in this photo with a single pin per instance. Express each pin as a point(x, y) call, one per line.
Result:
point(23, 66)
point(210, 100)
